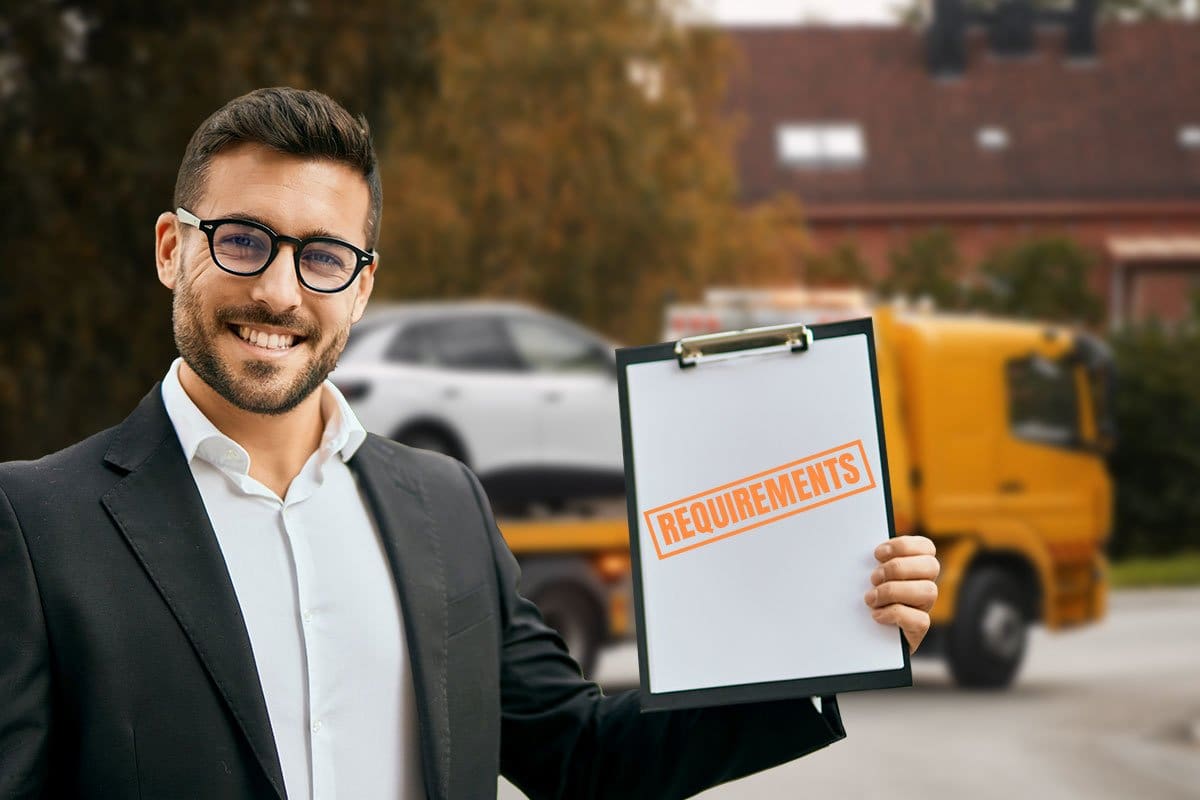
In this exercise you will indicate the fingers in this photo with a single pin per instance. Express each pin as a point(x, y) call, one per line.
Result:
point(905, 546)
point(913, 621)
point(918, 594)
point(904, 589)
point(907, 568)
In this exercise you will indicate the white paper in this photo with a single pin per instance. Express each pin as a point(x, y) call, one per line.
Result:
point(783, 599)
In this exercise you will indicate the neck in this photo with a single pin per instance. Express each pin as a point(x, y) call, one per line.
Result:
point(278, 444)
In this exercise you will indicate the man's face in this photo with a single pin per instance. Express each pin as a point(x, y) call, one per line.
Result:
point(264, 343)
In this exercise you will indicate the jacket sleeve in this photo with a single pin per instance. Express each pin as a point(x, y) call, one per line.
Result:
point(562, 737)
point(24, 666)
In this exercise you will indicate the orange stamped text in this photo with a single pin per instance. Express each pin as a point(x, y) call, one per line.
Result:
point(759, 499)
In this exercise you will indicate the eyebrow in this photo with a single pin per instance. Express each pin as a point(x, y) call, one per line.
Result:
point(308, 234)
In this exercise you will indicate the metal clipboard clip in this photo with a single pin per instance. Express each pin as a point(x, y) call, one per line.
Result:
point(751, 341)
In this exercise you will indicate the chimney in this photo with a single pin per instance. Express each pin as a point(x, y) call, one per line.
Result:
point(1081, 29)
point(1011, 26)
point(1010, 29)
point(946, 38)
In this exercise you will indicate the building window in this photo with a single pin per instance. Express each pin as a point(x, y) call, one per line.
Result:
point(992, 138)
point(1189, 137)
point(821, 146)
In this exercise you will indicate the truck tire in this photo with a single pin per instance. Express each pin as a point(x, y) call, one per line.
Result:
point(574, 616)
point(986, 640)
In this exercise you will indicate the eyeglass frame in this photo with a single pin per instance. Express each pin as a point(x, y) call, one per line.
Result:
point(209, 226)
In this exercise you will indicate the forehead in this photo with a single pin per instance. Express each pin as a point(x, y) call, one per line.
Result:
point(290, 193)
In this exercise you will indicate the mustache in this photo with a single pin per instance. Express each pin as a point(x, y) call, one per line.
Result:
point(257, 315)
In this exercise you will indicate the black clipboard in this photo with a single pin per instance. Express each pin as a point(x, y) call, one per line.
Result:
point(787, 351)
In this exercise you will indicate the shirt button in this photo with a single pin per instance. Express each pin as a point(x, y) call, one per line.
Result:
point(316, 726)
point(307, 616)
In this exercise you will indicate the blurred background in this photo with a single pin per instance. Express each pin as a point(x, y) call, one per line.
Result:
point(563, 176)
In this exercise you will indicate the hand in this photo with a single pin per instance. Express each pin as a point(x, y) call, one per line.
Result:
point(904, 586)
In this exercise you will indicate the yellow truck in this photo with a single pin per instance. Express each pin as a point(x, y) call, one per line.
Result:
point(996, 434)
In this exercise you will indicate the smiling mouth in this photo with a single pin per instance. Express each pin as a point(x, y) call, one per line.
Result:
point(266, 339)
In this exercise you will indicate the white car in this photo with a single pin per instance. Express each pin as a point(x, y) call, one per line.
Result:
point(526, 399)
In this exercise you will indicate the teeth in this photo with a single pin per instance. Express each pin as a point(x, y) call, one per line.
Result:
point(269, 341)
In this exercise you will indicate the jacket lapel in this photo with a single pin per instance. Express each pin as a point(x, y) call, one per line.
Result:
point(400, 505)
point(158, 509)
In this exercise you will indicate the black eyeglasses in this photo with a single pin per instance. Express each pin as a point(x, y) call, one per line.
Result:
point(243, 247)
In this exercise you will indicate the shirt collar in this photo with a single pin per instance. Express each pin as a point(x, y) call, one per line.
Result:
point(344, 434)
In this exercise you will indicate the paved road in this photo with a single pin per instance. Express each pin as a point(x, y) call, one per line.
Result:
point(1109, 711)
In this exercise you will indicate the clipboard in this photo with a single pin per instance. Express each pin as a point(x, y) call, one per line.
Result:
point(757, 489)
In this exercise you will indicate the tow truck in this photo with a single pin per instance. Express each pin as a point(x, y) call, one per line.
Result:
point(996, 431)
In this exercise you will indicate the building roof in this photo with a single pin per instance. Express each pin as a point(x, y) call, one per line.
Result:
point(1110, 129)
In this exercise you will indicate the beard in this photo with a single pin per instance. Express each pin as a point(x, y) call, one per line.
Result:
point(258, 386)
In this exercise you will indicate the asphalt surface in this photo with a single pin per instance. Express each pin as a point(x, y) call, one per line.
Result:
point(1107, 711)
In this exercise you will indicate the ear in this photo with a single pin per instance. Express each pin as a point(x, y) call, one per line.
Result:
point(362, 289)
point(167, 248)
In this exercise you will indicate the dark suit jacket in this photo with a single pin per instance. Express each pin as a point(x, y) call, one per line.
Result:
point(126, 670)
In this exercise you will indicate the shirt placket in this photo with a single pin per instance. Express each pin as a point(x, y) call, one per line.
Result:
point(309, 604)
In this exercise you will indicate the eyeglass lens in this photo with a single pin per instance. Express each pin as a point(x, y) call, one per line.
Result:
point(246, 249)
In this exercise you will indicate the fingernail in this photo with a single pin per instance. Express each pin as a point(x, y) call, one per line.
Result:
point(870, 598)
point(877, 575)
point(885, 550)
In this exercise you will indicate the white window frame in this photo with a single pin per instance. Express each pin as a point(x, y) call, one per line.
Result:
point(820, 145)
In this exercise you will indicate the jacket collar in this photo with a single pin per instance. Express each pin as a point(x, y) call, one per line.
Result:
point(159, 511)
point(399, 501)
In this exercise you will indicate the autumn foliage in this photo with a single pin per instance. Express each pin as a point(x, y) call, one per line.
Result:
point(573, 155)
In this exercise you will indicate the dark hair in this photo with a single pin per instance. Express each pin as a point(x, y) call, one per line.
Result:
point(294, 121)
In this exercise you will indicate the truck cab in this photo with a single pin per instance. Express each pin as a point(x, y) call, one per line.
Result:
point(996, 433)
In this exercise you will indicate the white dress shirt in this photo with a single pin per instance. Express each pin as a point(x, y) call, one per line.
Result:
point(320, 605)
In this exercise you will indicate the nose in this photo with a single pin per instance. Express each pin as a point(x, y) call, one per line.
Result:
point(278, 287)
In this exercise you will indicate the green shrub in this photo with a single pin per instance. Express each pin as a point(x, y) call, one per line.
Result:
point(1156, 464)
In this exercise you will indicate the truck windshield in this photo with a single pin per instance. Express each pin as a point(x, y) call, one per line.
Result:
point(1047, 397)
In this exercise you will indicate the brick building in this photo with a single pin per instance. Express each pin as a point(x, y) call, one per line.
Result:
point(880, 140)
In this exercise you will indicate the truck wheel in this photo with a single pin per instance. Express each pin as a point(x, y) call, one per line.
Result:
point(574, 616)
point(986, 640)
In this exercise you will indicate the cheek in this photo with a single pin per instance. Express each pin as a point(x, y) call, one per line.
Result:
point(336, 317)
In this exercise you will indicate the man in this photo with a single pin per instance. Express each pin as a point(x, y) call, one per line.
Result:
point(238, 593)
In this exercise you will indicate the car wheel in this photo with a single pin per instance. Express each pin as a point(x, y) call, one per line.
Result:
point(429, 439)
point(574, 616)
point(986, 641)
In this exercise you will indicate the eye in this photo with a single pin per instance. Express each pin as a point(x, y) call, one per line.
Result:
point(327, 258)
point(324, 259)
point(240, 240)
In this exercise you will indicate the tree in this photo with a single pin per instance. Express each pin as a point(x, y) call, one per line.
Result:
point(928, 265)
point(576, 156)
point(843, 265)
point(1044, 278)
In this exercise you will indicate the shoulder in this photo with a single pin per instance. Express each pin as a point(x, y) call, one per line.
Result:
point(433, 472)
point(67, 469)
point(444, 486)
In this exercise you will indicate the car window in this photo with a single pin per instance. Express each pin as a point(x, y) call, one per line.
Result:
point(411, 345)
point(545, 346)
point(471, 343)
point(1042, 402)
